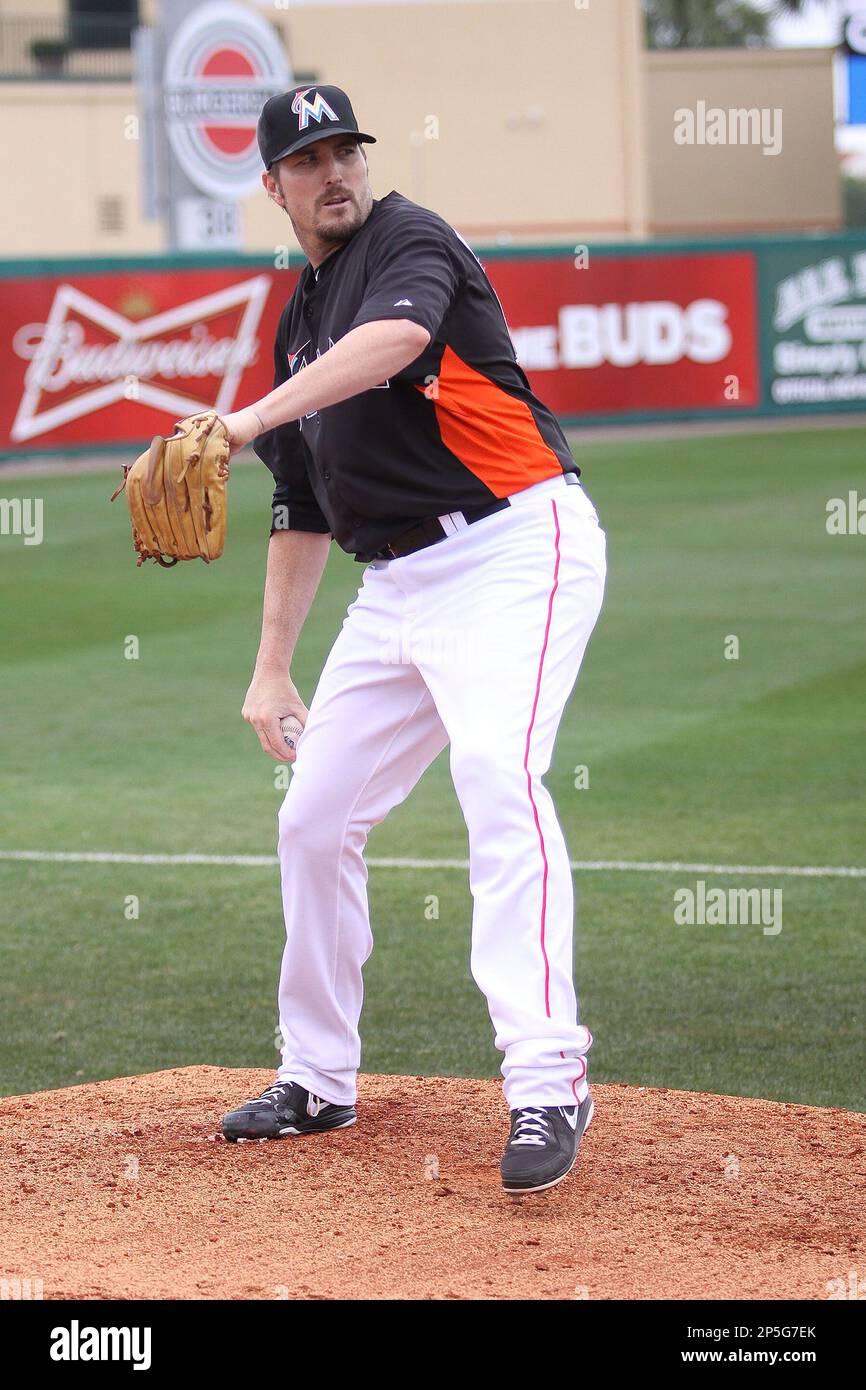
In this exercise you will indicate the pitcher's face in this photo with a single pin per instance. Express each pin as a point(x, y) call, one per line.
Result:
point(325, 190)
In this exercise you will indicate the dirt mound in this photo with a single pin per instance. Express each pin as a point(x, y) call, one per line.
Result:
point(124, 1189)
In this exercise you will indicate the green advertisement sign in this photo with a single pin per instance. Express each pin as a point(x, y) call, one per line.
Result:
point(814, 303)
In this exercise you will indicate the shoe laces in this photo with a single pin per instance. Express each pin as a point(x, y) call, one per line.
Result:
point(531, 1127)
point(273, 1095)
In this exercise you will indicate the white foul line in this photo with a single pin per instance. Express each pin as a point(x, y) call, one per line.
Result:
point(269, 861)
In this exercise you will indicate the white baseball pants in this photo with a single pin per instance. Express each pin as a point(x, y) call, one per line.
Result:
point(474, 641)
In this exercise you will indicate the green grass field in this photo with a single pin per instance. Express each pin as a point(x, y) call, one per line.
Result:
point(692, 757)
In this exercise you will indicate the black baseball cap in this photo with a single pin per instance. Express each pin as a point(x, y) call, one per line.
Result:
point(294, 119)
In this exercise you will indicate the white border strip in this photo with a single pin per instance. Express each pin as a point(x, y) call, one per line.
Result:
point(269, 861)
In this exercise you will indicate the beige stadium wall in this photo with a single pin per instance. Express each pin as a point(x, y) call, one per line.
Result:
point(696, 189)
point(19, 9)
point(540, 136)
point(63, 149)
point(538, 107)
point(553, 126)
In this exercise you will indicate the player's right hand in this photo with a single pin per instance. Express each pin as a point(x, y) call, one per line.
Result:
point(269, 699)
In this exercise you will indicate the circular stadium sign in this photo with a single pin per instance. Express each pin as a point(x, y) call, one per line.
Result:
point(855, 32)
point(221, 66)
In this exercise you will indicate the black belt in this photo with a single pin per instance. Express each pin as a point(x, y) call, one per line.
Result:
point(431, 530)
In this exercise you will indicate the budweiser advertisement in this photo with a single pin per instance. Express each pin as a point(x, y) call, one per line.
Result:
point(114, 356)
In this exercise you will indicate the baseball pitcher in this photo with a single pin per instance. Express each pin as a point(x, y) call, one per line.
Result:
point(402, 427)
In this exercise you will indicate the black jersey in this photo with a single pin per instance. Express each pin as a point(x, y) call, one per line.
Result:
point(457, 428)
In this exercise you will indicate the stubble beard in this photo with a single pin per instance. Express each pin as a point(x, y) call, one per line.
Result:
point(341, 227)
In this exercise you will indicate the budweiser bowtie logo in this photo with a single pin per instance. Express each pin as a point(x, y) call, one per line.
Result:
point(169, 361)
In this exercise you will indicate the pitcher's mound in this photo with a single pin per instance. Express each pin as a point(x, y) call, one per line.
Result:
point(123, 1189)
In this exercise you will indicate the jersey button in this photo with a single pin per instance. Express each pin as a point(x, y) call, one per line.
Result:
point(326, 475)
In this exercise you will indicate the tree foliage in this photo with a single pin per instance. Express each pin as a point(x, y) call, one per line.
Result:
point(715, 23)
point(705, 24)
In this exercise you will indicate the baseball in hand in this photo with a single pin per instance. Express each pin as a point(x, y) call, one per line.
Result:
point(291, 730)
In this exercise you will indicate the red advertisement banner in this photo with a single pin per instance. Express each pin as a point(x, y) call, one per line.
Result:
point(635, 333)
point(113, 356)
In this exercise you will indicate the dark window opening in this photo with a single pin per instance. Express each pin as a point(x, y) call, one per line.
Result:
point(102, 23)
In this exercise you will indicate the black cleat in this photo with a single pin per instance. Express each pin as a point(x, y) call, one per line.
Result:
point(283, 1109)
point(542, 1147)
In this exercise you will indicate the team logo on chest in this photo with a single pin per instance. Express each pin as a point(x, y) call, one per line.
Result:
point(314, 110)
point(298, 360)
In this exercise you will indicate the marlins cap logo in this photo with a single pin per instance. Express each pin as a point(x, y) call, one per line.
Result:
point(314, 110)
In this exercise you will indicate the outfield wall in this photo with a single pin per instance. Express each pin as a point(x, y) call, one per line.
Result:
point(98, 354)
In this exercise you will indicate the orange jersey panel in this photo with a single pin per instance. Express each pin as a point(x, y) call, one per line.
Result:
point(494, 435)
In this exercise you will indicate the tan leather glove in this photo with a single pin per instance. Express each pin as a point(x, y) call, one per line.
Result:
point(176, 493)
